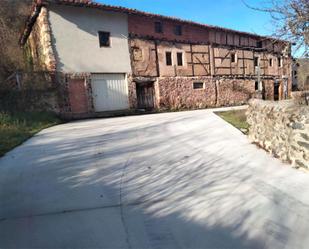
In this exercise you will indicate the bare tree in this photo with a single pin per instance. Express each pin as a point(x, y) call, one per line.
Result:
point(290, 19)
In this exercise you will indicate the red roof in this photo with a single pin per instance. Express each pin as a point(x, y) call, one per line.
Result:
point(91, 4)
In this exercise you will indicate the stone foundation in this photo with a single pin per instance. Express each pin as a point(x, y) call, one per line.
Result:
point(281, 128)
point(178, 92)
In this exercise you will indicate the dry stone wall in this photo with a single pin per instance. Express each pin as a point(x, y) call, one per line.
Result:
point(281, 128)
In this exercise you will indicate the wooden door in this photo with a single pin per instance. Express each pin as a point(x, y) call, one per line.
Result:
point(145, 95)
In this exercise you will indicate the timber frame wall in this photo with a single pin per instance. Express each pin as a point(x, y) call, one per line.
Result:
point(207, 57)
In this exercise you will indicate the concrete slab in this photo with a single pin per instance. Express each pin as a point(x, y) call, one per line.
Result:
point(173, 180)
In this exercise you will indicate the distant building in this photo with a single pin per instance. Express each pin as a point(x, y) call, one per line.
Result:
point(110, 58)
point(300, 74)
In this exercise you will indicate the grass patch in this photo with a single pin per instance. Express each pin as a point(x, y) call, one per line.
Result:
point(237, 118)
point(15, 128)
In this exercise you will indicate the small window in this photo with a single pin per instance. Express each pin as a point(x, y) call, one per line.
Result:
point(179, 59)
point(104, 39)
point(168, 56)
point(233, 57)
point(279, 62)
point(259, 44)
point(256, 61)
point(198, 85)
point(178, 30)
point(158, 27)
point(270, 62)
point(137, 54)
point(256, 85)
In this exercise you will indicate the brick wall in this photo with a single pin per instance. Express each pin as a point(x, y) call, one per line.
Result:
point(144, 26)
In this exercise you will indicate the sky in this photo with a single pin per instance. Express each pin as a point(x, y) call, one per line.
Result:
point(233, 14)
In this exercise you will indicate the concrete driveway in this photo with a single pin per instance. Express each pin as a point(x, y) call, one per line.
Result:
point(175, 180)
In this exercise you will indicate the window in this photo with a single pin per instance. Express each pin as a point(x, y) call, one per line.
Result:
point(259, 44)
point(256, 61)
point(179, 59)
point(279, 62)
point(158, 27)
point(198, 85)
point(168, 56)
point(178, 30)
point(233, 57)
point(270, 62)
point(104, 39)
point(137, 54)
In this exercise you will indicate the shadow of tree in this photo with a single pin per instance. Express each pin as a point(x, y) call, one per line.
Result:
point(171, 183)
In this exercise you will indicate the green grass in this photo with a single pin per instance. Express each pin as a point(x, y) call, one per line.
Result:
point(17, 127)
point(237, 118)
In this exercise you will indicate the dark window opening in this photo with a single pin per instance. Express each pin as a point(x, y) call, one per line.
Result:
point(198, 85)
point(104, 39)
point(233, 57)
point(178, 30)
point(259, 44)
point(256, 61)
point(256, 85)
point(168, 56)
point(279, 62)
point(270, 62)
point(158, 27)
point(179, 59)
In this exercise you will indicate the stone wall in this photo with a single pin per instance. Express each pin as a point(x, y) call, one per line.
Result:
point(281, 128)
point(178, 92)
point(40, 44)
point(301, 97)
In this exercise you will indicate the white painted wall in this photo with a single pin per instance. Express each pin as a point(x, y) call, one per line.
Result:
point(76, 42)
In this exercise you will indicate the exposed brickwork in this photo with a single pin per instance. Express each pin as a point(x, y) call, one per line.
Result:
point(144, 26)
point(78, 96)
point(132, 93)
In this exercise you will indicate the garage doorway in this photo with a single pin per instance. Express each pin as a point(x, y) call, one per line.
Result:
point(110, 92)
point(145, 95)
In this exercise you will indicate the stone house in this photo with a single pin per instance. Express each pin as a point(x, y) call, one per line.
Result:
point(107, 58)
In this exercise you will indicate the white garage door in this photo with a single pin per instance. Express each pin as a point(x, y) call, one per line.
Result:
point(110, 92)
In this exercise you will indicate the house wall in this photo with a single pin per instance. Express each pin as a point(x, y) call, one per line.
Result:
point(76, 42)
point(178, 92)
point(207, 54)
point(144, 26)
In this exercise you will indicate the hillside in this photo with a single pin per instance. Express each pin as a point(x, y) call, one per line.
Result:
point(13, 14)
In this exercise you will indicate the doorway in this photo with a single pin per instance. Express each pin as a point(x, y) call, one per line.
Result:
point(110, 92)
point(145, 95)
point(276, 91)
